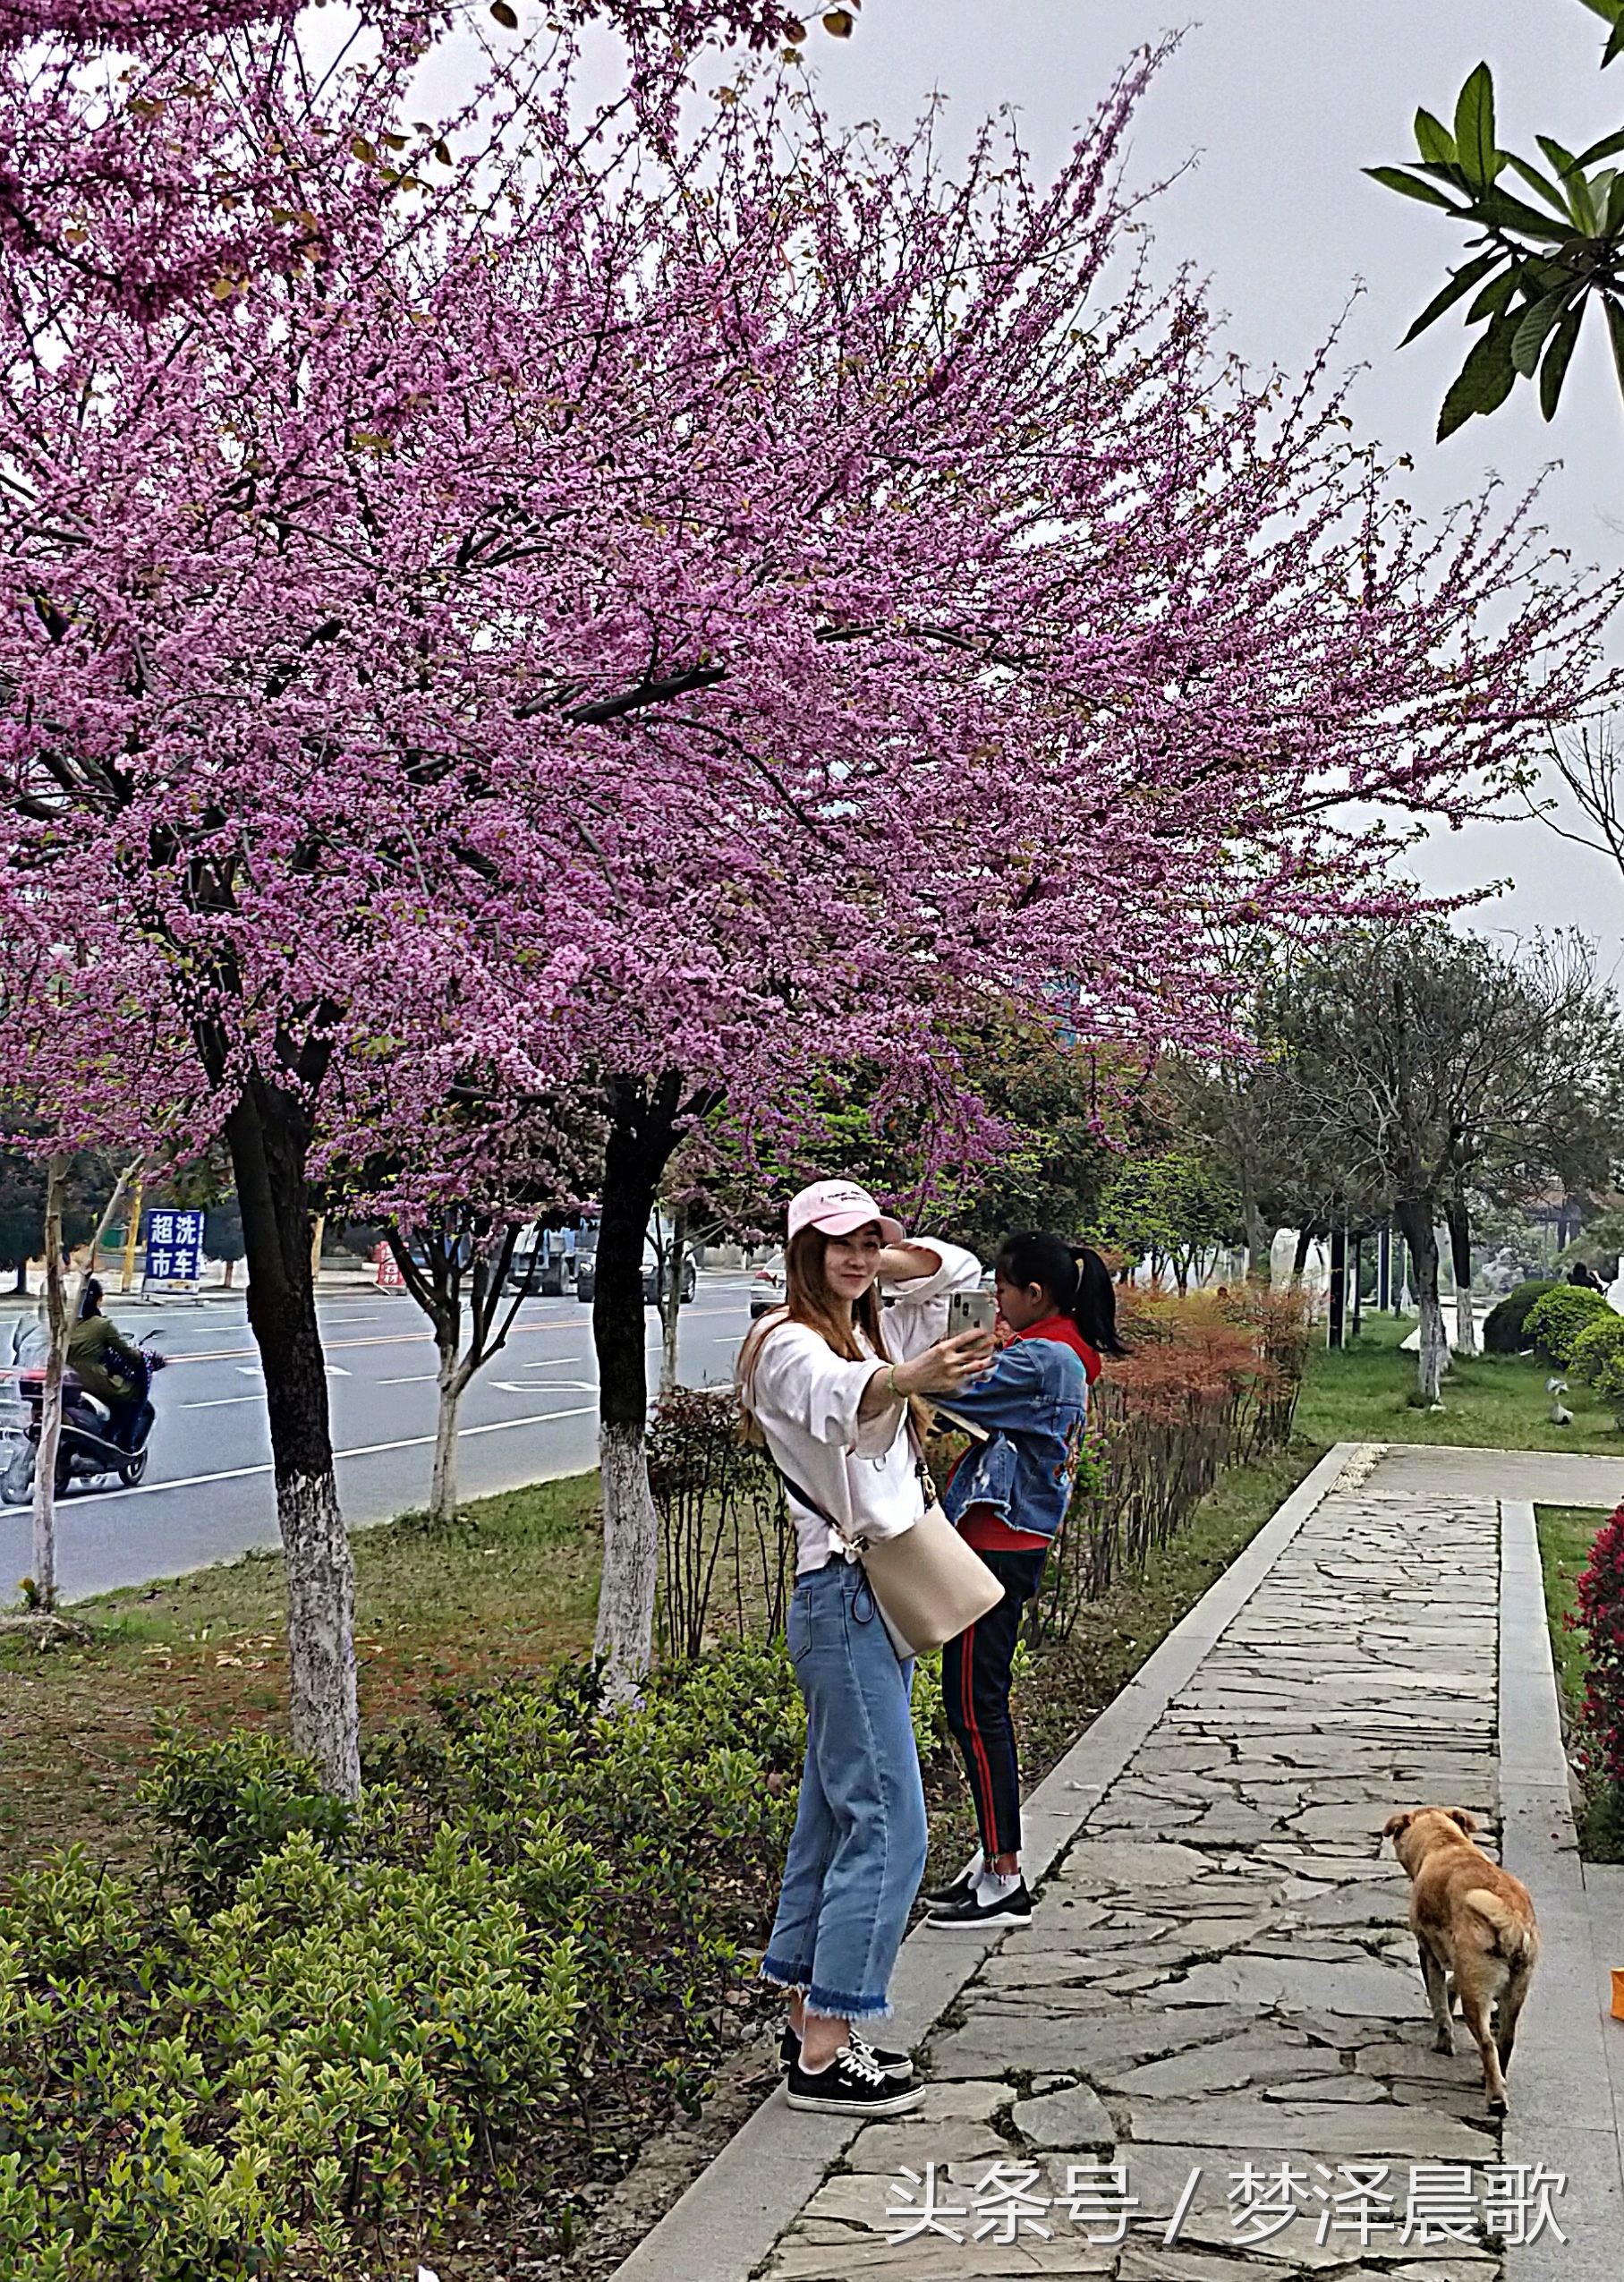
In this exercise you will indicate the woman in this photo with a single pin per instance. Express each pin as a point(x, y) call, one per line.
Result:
point(1009, 1496)
point(828, 1385)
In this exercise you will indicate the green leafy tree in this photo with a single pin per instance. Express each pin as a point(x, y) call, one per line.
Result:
point(1174, 1209)
point(1532, 269)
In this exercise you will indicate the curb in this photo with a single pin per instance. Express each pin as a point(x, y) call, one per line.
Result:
point(1562, 2111)
point(728, 2221)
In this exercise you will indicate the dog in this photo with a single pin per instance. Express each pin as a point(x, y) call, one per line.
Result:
point(1475, 1927)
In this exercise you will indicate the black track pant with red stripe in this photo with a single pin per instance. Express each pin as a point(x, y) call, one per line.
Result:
point(975, 1689)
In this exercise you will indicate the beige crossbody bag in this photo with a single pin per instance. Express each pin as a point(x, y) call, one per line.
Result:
point(928, 1584)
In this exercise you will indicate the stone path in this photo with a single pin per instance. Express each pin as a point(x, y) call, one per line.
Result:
point(1210, 2051)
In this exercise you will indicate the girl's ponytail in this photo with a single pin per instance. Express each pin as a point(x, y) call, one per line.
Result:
point(1075, 1278)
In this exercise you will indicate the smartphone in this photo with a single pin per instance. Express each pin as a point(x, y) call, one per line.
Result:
point(970, 1311)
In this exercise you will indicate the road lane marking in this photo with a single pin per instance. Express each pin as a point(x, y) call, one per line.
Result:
point(220, 1402)
point(72, 1504)
point(413, 1378)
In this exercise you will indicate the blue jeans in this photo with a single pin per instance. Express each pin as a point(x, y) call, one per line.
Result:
point(858, 1852)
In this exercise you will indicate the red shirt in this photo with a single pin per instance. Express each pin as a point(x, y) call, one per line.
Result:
point(980, 1526)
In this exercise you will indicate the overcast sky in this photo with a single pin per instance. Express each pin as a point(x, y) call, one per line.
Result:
point(1279, 103)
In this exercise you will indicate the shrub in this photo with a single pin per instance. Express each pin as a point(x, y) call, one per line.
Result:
point(1557, 1318)
point(186, 2097)
point(1598, 1359)
point(1503, 1332)
point(1601, 1614)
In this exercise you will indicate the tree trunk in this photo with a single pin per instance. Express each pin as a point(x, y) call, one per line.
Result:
point(1414, 1217)
point(1460, 1256)
point(455, 1373)
point(671, 1300)
point(642, 1133)
point(1299, 1257)
point(269, 1134)
point(21, 1287)
point(50, 1412)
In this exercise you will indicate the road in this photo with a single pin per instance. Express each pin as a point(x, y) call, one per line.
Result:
point(530, 1415)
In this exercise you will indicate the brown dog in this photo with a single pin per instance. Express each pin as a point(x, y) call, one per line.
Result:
point(1475, 1926)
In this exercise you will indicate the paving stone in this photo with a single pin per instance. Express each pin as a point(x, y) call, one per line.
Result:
point(1227, 2067)
point(992, 2044)
point(917, 2139)
point(1107, 1862)
point(1364, 1989)
point(1360, 1905)
point(1075, 2119)
point(1325, 2130)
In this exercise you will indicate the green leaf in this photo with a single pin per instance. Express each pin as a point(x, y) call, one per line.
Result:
point(1562, 160)
point(1558, 356)
point(1461, 282)
point(1532, 327)
point(1582, 204)
point(1609, 11)
point(1537, 181)
point(1615, 328)
point(1612, 218)
point(1615, 46)
point(1434, 140)
point(1475, 150)
point(1484, 380)
point(1608, 147)
point(1495, 296)
point(1500, 210)
point(1395, 178)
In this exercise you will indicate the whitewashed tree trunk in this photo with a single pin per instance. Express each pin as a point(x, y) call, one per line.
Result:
point(630, 1560)
point(321, 1629)
point(671, 1303)
point(454, 1372)
point(1466, 1323)
point(1414, 1216)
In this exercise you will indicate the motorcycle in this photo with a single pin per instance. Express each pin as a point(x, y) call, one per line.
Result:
point(86, 1449)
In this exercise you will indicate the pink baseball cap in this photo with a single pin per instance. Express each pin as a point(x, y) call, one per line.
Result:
point(838, 1207)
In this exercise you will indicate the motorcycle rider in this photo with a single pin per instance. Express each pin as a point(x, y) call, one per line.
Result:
point(108, 1365)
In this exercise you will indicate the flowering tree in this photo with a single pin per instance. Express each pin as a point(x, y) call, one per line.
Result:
point(956, 634)
point(655, 628)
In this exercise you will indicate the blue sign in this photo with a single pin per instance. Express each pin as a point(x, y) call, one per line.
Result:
point(174, 1247)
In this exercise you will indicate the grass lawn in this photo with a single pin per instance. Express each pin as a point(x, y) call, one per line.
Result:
point(513, 1585)
point(1566, 1535)
point(1489, 1401)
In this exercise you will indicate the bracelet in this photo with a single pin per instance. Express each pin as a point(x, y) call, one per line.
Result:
point(890, 1380)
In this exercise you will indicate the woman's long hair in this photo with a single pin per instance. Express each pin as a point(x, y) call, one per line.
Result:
point(809, 1300)
point(1075, 1278)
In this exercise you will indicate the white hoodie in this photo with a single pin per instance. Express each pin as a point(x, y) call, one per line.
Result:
point(804, 1399)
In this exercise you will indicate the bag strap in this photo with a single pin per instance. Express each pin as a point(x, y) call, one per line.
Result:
point(813, 1506)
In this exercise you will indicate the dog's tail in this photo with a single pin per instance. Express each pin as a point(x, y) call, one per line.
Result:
point(1514, 1938)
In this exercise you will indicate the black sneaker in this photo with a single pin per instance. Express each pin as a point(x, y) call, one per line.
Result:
point(898, 2065)
point(972, 1915)
point(946, 1897)
point(851, 2085)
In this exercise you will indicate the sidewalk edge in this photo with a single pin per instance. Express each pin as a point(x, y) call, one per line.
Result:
point(1562, 2112)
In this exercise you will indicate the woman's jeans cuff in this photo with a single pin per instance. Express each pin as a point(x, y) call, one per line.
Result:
point(823, 2003)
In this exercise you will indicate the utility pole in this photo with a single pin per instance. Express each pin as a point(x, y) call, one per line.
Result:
point(1336, 1327)
point(1384, 1267)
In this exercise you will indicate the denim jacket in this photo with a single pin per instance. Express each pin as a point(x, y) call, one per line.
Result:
point(1034, 1401)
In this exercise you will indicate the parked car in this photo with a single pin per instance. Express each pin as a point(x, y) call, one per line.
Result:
point(586, 1275)
point(767, 1287)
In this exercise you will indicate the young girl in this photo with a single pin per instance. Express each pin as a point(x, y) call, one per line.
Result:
point(1009, 1496)
point(828, 1385)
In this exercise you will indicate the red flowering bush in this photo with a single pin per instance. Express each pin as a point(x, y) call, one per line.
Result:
point(1600, 1596)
